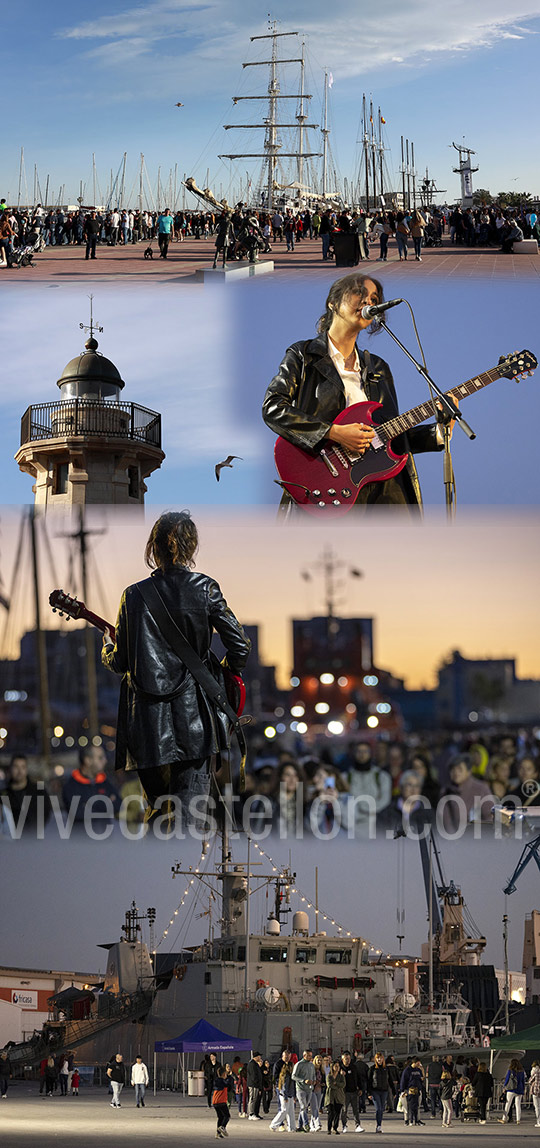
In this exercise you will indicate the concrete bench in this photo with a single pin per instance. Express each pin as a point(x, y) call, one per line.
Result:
point(525, 247)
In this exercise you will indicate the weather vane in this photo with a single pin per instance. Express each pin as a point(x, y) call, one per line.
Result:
point(91, 327)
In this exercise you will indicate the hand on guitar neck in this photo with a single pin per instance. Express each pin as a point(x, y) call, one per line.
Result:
point(354, 436)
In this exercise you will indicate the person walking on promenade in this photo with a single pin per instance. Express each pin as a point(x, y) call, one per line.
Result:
point(286, 1094)
point(334, 1098)
point(514, 1084)
point(5, 1074)
point(117, 1076)
point(483, 1090)
point(304, 1078)
point(139, 1080)
point(255, 1086)
point(209, 1067)
point(220, 1102)
point(75, 1081)
point(63, 1075)
point(534, 1085)
point(378, 1087)
point(352, 1086)
point(165, 232)
point(50, 1076)
point(418, 225)
point(447, 1092)
point(434, 1074)
point(91, 232)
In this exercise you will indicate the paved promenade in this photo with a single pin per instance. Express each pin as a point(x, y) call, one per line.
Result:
point(67, 265)
point(169, 1119)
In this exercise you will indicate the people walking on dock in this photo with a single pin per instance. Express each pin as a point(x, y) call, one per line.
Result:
point(286, 1095)
point(514, 1084)
point(139, 1080)
point(220, 1102)
point(117, 1076)
point(334, 1099)
point(304, 1077)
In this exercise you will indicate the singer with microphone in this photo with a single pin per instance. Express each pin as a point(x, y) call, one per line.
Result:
point(318, 378)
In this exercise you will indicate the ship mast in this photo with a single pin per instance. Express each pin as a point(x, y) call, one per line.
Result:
point(324, 133)
point(272, 147)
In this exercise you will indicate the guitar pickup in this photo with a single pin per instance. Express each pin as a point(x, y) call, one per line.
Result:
point(329, 464)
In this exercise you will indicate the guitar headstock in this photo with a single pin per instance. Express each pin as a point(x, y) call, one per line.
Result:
point(518, 364)
point(66, 604)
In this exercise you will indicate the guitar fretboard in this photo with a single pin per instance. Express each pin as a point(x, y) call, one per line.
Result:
point(425, 410)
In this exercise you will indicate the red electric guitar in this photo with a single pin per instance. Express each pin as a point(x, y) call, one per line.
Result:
point(72, 608)
point(328, 482)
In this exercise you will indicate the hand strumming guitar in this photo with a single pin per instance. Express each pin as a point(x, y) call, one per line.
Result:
point(355, 436)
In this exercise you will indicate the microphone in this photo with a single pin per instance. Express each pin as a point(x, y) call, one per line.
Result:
point(379, 308)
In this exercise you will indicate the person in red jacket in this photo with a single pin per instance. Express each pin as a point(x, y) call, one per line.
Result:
point(220, 1103)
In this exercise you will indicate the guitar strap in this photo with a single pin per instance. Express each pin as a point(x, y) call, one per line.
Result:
point(182, 648)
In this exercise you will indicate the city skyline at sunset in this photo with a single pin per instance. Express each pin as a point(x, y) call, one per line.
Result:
point(429, 587)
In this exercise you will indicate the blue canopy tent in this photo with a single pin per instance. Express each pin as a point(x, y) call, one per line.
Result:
point(201, 1037)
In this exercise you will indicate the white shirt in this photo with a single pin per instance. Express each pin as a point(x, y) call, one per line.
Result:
point(139, 1073)
point(352, 379)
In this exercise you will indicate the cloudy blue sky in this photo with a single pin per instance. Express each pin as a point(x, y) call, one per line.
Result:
point(106, 80)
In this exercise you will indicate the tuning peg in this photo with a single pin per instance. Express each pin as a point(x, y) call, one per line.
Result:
point(60, 613)
point(54, 609)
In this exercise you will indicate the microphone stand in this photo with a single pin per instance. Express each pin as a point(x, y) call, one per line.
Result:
point(449, 411)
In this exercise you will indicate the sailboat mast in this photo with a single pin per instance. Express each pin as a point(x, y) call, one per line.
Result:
point(301, 118)
point(94, 200)
point(325, 136)
point(21, 162)
point(271, 134)
point(372, 149)
point(381, 154)
point(413, 177)
point(366, 149)
point(123, 181)
point(141, 170)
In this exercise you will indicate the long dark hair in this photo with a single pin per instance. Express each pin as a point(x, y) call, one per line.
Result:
point(354, 284)
point(173, 541)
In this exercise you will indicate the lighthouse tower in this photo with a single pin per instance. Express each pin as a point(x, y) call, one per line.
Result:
point(89, 446)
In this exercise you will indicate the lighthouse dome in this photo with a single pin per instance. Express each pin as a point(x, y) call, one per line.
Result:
point(90, 376)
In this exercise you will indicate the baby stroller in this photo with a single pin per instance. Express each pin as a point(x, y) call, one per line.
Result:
point(470, 1109)
point(432, 237)
point(22, 256)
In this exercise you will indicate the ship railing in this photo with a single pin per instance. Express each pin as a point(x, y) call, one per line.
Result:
point(66, 418)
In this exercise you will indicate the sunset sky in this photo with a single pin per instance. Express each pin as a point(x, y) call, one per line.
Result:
point(431, 588)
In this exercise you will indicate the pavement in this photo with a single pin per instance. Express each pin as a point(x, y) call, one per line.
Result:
point(67, 265)
point(169, 1118)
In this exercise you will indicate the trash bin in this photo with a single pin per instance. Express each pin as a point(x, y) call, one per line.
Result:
point(346, 248)
point(195, 1085)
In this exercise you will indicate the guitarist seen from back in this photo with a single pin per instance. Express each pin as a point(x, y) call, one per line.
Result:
point(318, 378)
point(168, 728)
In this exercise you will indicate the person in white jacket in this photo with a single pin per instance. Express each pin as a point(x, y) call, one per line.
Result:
point(139, 1080)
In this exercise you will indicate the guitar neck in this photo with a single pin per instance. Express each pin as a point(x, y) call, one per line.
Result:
point(95, 620)
point(426, 410)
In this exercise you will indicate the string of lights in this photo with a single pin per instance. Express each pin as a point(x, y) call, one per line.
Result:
point(190, 883)
point(306, 901)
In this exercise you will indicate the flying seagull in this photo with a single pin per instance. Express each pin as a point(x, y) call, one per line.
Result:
point(178, 105)
point(227, 462)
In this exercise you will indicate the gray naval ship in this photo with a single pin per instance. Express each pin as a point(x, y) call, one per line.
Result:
point(284, 986)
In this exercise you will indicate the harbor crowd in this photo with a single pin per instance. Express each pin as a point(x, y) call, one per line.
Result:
point(374, 231)
point(316, 1092)
point(361, 789)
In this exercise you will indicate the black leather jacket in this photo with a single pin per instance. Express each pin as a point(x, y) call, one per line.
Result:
point(163, 715)
point(307, 394)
